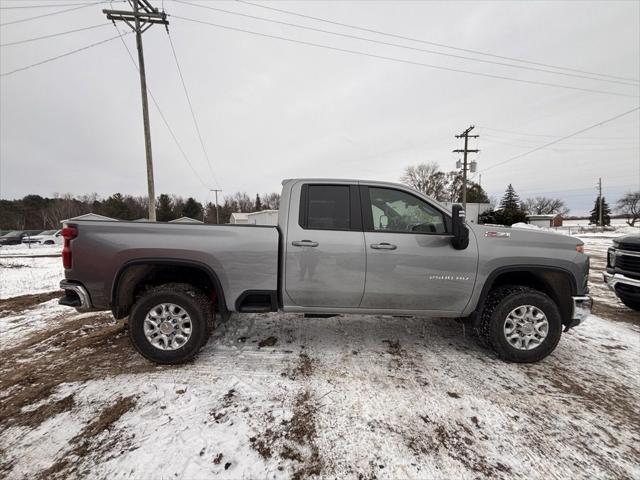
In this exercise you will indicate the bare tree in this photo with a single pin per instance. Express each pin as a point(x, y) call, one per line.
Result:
point(545, 206)
point(629, 206)
point(271, 201)
point(426, 178)
point(244, 202)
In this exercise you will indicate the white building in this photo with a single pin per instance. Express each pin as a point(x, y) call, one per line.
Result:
point(90, 216)
point(546, 221)
point(263, 217)
point(185, 220)
point(239, 218)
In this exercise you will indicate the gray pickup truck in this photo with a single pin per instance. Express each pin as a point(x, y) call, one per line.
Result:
point(623, 270)
point(340, 247)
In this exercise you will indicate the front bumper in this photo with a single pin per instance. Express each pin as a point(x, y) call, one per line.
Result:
point(76, 296)
point(612, 279)
point(581, 308)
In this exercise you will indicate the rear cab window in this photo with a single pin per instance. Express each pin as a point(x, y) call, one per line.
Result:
point(330, 207)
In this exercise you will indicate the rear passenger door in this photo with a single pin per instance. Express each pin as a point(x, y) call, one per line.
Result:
point(325, 254)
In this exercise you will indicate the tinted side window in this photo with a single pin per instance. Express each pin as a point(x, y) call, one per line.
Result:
point(328, 207)
point(397, 211)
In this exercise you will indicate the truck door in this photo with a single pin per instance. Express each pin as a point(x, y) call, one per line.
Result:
point(325, 253)
point(410, 261)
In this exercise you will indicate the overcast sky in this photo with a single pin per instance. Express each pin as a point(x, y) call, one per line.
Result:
point(271, 109)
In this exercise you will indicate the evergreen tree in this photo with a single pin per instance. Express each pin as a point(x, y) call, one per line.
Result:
point(164, 208)
point(116, 207)
point(595, 213)
point(258, 204)
point(510, 210)
point(476, 194)
point(192, 209)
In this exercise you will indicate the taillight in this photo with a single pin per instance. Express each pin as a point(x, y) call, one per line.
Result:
point(68, 233)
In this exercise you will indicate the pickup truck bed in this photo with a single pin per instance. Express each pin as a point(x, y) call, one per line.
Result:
point(241, 258)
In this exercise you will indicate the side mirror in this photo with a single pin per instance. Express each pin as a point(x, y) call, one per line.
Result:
point(384, 222)
point(460, 239)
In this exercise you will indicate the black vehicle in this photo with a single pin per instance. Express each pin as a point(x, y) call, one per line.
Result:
point(13, 238)
point(623, 270)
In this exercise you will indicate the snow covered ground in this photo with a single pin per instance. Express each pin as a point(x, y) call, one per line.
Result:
point(281, 396)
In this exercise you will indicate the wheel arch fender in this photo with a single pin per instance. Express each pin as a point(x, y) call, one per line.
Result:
point(132, 273)
point(556, 282)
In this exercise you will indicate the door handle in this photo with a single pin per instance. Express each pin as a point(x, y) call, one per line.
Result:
point(383, 246)
point(304, 243)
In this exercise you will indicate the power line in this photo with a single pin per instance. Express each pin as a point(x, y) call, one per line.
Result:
point(19, 42)
point(568, 146)
point(433, 43)
point(193, 114)
point(555, 136)
point(51, 13)
point(164, 119)
point(50, 5)
point(58, 57)
point(409, 62)
point(434, 52)
point(563, 138)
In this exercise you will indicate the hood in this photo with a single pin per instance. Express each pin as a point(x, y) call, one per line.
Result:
point(529, 236)
point(632, 241)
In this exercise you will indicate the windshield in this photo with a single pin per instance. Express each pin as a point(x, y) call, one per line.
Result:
point(48, 232)
point(12, 234)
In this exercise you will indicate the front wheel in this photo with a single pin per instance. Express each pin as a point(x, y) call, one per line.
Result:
point(520, 324)
point(170, 323)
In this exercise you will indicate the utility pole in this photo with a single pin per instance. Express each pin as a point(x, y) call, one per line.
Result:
point(600, 202)
point(216, 190)
point(464, 151)
point(143, 16)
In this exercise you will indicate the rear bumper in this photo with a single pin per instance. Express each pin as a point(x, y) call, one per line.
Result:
point(76, 296)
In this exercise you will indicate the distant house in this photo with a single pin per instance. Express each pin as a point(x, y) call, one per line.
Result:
point(473, 210)
point(90, 216)
point(263, 217)
point(546, 221)
point(185, 220)
point(239, 218)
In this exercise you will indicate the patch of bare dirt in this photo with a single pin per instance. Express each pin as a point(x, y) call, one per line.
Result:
point(17, 304)
point(304, 368)
point(455, 440)
point(267, 342)
point(616, 312)
point(76, 351)
point(293, 439)
point(84, 444)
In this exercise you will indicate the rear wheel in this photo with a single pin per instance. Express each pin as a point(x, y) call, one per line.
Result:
point(520, 324)
point(170, 323)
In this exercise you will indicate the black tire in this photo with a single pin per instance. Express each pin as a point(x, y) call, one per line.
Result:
point(49, 242)
point(632, 304)
point(189, 298)
point(499, 303)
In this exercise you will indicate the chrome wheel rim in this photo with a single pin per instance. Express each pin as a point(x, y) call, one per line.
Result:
point(167, 326)
point(526, 327)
